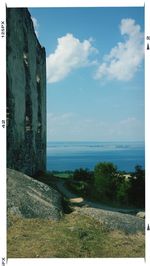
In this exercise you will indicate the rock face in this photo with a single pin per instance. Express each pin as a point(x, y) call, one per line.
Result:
point(114, 220)
point(29, 198)
point(26, 95)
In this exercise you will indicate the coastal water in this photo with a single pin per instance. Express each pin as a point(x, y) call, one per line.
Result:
point(63, 156)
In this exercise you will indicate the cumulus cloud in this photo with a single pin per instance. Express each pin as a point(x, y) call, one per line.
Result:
point(125, 58)
point(36, 25)
point(70, 54)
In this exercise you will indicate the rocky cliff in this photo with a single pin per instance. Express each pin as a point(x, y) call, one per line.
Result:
point(26, 95)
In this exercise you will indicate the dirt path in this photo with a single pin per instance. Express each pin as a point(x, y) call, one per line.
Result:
point(73, 198)
point(114, 218)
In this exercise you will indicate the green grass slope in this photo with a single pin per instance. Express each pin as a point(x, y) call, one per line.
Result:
point(74, 236)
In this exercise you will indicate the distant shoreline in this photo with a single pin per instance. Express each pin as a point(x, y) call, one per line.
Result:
point(97, 141)
point(70, 155)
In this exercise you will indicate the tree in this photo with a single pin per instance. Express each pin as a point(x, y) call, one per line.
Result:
point(105, 180)
point(137, 187)
point(81, 182)
point(122, 193)
point(83, 175)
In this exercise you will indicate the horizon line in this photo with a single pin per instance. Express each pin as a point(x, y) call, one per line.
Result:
point(95, 141)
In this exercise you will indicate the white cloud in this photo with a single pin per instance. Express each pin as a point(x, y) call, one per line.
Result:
point(59, 125)
point(59, 119)
point(70, 54)
point(129, 121)
point(72, 126)
point(36, 25)
point(125, 58)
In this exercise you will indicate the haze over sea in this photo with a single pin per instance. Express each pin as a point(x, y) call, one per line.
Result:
point(71, 155)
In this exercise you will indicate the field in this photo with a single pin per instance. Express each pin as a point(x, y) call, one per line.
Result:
point(63, 175)
point(75, 236)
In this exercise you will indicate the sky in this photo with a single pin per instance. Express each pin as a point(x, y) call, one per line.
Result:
point(95, 72)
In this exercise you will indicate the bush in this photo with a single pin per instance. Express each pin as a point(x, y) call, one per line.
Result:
point(79, 187)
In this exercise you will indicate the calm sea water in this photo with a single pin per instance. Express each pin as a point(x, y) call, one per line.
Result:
point(63, 156)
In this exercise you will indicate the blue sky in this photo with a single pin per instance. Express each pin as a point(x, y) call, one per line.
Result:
point(95, 72)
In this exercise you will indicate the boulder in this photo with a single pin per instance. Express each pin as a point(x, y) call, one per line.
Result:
point(141, 215)
point(29, 198)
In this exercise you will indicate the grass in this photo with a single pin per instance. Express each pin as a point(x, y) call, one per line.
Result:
point(63, 175)
point(75, 236)
point(50, 178)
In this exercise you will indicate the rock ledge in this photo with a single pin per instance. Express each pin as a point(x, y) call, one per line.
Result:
point(29, 198)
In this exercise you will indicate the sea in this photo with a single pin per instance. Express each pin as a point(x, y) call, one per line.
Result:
point(71, 155)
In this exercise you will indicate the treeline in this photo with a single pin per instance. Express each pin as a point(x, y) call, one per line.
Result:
point(108, 185)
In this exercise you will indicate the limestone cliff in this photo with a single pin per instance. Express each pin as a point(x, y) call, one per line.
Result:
point(26, 94)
